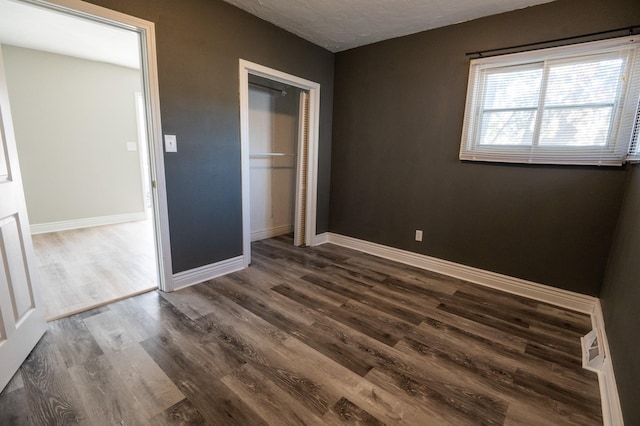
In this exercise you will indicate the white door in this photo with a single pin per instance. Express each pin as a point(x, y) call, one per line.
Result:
point(22, 321)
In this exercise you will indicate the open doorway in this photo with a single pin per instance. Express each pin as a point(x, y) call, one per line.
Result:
point(279, 137)
point(80, 115)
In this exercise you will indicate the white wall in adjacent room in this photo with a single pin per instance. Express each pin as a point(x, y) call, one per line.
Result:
point(73, 119)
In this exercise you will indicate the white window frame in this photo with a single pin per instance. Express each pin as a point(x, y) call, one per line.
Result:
point(619, 147)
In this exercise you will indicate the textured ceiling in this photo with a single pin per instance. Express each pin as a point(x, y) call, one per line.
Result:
point(343, 24)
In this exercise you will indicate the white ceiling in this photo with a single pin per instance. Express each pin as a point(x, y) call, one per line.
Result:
point(41, 29)
point(343, 24)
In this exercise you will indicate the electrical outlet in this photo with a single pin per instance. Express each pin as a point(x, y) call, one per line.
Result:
point(418, 235)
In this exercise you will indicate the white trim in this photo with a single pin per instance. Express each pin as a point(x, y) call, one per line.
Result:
point(609, 398)
point(246, 68)
point(555, 296)
point(88, 222)
point(322, 238)
point(271, 232)
point(149, 71)
point(207, 272)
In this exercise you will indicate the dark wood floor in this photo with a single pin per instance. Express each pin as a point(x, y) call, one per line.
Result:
point(311, 336)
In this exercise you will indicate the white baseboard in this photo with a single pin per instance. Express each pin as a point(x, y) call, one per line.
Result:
point(610, 400)
point(555, 296)
point(66, 225)
point(271, 232)
point(321, 239)
point(207, 272)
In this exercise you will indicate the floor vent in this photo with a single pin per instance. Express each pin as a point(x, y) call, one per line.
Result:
point(592, 352)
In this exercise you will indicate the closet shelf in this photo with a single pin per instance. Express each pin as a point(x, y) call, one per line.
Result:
point(269, 154)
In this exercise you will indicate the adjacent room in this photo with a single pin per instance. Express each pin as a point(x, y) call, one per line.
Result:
point(78, 113)
point(366, 212)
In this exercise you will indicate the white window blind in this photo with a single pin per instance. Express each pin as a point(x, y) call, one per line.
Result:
point(567, 105)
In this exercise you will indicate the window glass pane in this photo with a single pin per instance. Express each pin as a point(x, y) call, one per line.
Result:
point(514, 87)
point(593, 81)
point(575, 126)
point(507, 127)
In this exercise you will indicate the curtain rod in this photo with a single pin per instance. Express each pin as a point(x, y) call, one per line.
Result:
point(524, 47)
point(283, 92)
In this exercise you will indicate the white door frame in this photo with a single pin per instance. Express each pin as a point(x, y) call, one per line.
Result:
point(247, 68)
point(151, 92)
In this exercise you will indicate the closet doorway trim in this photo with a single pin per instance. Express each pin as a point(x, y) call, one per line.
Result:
point(313, 88)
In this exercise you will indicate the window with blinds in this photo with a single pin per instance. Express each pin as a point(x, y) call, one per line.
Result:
point(574, 104)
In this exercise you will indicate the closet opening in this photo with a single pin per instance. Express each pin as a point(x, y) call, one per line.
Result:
point(279, 119)
point(277, 159)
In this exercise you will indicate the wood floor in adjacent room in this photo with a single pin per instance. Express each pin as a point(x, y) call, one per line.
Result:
point(321, 335)
point(83, 268)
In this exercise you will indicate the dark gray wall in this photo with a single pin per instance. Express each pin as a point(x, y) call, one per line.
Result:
point(199, 43)
point(398, 115)
point(620, 299)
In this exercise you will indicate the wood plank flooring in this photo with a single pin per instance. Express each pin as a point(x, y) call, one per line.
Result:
point(321, 335)
point(83, 268)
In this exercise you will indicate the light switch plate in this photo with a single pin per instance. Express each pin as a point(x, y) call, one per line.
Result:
point(170, 143)
point(132, 146)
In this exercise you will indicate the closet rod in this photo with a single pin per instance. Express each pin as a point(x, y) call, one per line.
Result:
point(283, 92)
point(537, 45)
